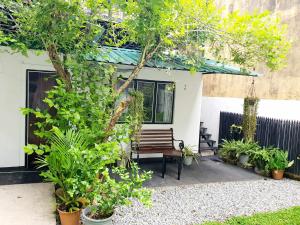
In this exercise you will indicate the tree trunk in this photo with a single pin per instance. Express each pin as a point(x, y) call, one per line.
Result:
point(123, 105)
point(59, 67)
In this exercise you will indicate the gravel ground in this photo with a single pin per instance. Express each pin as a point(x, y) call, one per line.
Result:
point(192, 204)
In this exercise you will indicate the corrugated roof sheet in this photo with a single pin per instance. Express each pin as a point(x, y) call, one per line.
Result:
point(132, 56)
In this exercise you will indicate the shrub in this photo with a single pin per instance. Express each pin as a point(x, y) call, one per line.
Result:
point(279, 160)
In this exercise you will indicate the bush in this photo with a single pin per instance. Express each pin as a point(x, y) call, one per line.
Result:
point(279, 159)
point(231, 150)
point(265, 159)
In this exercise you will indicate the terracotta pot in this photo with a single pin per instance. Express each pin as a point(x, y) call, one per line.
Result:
point(69, 218)
point(277, 174)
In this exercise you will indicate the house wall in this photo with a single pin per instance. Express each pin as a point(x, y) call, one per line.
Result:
point(13, 68)
point(212, 106)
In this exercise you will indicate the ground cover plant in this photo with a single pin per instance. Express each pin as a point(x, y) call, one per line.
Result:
point(289, 216)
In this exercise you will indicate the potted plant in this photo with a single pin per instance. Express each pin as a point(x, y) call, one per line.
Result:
point(245, 151)
point(229, 150)
point(116, 188)
point(64, 168)
point(189, 155)
point(260, 159)
point(278, 163)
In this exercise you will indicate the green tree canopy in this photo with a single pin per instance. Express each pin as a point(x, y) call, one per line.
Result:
point(69, 30)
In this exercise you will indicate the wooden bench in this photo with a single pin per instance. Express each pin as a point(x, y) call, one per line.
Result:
point(150, 141)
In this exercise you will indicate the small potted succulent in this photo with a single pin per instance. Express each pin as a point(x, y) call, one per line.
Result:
point(112, 192)
point(278, 163)
point(189, 155)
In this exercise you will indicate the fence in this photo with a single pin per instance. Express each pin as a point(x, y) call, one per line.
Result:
point(284, 134)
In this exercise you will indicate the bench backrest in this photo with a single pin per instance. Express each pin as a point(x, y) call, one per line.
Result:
point(154, 139)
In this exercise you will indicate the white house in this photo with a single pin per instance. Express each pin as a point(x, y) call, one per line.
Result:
point(21, 86)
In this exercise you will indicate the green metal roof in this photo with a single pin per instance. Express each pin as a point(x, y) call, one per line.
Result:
point(131, 57)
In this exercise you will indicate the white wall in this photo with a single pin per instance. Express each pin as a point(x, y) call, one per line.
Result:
point(12, 98)
point(212, 106)
point(187, 107)
point(13, 68)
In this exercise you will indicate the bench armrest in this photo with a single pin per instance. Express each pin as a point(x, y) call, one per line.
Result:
point(181, 144)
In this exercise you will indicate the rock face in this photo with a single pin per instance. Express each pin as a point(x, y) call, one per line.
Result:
point(283, 84)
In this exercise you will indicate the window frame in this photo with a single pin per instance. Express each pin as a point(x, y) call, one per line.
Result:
point(154, 106)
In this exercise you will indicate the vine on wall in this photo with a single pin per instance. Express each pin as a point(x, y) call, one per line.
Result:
point(136, 111)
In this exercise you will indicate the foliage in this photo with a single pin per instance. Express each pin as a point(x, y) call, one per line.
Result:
point(264, 158)
point(255, 36)
point(289, 216)
point(113, 192)
point(73, 167)
point(86, 107)
point(233, 149)
point(249, 118)
point(71, 32)
point(235, 129)
point(261, 159)
point(186, 25)
point(82, 173)
point(279, 160)
point(136, 113)
point(188, 152)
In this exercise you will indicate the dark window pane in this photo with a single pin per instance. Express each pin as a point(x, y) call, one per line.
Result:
point(124, 95)
point(147, 88)
point(164, 103)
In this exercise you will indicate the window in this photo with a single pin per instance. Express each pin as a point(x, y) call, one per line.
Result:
point(164, 103)
point(148, 89)
point(158, 100)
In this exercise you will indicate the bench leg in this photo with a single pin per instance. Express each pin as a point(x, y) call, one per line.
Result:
point(179, 167)
point(137, 158)
point(164, 165)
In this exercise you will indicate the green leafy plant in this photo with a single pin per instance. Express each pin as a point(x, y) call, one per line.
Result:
point(261, 159)
point(72, 167)
point(233, 149)
point(249, 117)
point(188, 152)
point(279, 159)
point(235, 129)
point(120, 190)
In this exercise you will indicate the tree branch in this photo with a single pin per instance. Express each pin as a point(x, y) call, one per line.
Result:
point(124, 104)
point(117, 114)
point(143, 60)
point(58, 66)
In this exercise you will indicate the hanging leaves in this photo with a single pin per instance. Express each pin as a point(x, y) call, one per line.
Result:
point(249, 118)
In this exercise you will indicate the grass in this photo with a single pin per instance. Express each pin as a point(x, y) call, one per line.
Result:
point(290, 216)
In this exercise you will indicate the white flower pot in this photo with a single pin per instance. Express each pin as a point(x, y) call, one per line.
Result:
point(188, 160)
point(243, 159)
point(89, 221)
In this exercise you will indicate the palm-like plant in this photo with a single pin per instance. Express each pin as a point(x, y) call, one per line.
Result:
point(64, 166)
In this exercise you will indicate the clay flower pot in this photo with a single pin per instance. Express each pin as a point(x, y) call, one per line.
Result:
point(277, 174)
point(69, 218)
